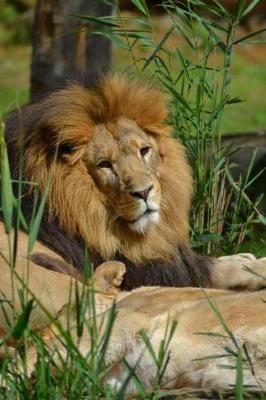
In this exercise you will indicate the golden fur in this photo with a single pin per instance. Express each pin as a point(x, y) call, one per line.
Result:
point(153, 309)
point(115, 112)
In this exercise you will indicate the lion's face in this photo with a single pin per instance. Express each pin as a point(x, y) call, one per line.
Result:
point(124, 163)
point(118, 181)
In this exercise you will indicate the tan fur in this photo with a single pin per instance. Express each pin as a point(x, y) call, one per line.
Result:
point(52, 290)
point(22, 248)
point(244, 314)
point(155, 309)
point(151, 309)
point(117, 113)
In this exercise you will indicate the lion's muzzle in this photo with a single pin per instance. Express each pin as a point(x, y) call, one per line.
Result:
point(142, 208)
point(142, 194)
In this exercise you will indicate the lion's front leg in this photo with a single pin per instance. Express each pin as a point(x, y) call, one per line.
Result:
point(240, 271)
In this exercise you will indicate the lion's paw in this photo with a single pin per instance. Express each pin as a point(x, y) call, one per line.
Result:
point(257, 270)
point(109, 276)
point(240, 257)
point(239, 271)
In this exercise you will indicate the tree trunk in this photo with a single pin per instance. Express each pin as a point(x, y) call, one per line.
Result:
point(63, 48)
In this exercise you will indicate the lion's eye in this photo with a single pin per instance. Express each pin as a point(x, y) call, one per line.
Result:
point(65, 148)
point(144, 150)
point(105, 164)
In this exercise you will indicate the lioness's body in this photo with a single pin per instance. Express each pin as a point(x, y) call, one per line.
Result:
point(200, 332)
point(50, 287)
point(151, 309)
point(154, 310)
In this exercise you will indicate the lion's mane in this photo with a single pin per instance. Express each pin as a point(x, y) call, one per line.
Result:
point(74, 214)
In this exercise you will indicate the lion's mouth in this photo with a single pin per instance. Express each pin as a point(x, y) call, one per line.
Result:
point(142, 224)
point(149, 211)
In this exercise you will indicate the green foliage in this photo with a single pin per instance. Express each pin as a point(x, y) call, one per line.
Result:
point(256, 244)
point(22, 321)
point(197, 75)
point(8, 14)
point(7, 200)
point(15, 26)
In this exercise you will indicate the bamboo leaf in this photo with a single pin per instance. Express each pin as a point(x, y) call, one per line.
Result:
point(109, 21)
point(262, 219)
point(217, 110)
point(240, 9)
point(158, 47)
point(250, 7)
point(244, 38)
point(178, 96)
point(115, 39)
point(234, 100)
point(141, 6)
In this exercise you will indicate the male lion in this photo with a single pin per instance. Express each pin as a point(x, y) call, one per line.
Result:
point(118, 183)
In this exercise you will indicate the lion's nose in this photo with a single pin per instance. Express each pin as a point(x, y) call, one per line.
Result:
point(143, 194)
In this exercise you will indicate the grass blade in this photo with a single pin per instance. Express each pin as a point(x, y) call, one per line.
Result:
point(35, 225)
point(7, 198)
point(141, 6)
point(239, 389)
point(22, 321)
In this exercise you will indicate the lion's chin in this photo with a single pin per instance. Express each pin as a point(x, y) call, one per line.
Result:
point(144, 223)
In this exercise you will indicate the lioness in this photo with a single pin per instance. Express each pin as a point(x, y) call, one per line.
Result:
point(199, 344)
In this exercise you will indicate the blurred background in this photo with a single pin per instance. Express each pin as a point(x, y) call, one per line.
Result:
point(45, 41)
point(249, 66)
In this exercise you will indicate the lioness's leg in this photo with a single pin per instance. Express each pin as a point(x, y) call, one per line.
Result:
point(240, 271)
